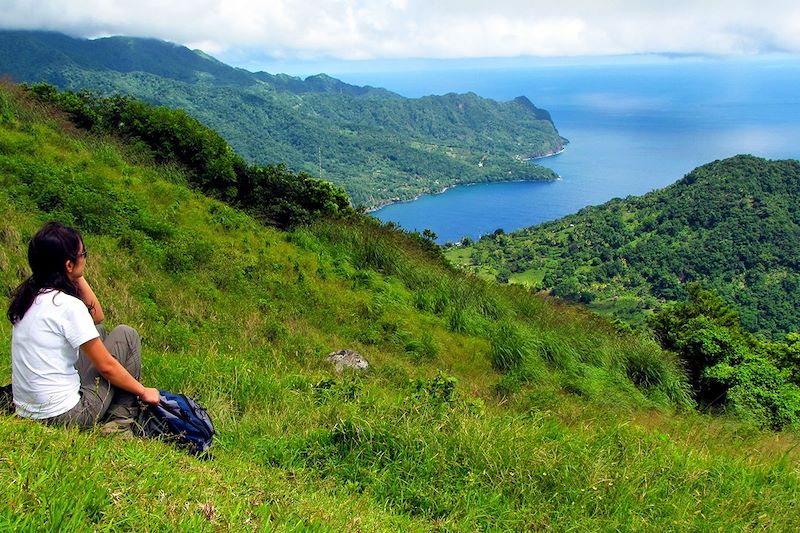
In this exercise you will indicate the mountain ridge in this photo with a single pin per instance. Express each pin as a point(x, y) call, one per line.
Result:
point(378, 145)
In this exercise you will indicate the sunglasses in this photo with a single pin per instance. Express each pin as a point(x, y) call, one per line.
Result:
point(83, 253)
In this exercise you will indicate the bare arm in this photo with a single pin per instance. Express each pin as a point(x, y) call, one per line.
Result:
point(115, 373)
point(87, 295)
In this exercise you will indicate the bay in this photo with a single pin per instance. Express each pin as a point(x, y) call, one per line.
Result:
point(633, 126)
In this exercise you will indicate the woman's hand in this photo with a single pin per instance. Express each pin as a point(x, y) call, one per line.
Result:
point(150, 396)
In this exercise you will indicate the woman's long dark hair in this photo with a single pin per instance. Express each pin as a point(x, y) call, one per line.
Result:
point(48, 253)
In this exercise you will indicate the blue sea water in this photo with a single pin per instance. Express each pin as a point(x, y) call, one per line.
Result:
point(633, 127)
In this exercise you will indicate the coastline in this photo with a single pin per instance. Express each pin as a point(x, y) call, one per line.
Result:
point(448, 187)
point(417, 197)
point(546, 155)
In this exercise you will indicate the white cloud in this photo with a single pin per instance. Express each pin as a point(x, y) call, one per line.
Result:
point(364, 29)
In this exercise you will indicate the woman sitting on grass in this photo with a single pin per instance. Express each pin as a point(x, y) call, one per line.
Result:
point(54, 313)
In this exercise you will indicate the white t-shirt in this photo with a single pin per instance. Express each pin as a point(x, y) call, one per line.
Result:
point(44, 350)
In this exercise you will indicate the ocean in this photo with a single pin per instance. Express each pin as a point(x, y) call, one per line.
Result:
point(633, 126)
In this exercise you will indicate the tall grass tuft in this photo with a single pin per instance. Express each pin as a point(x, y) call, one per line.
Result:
point(656, 372)
point(6, 108)
point(510, 347)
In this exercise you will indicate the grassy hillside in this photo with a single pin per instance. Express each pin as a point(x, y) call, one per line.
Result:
point(485, 408)
point(732, 225)
point(378, 145)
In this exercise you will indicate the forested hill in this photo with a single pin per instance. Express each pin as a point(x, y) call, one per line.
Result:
point(379, 146)
point(733, 225)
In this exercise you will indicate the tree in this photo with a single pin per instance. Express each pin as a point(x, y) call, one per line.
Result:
point(429, 234)
point(726, 365)
point(503, 275)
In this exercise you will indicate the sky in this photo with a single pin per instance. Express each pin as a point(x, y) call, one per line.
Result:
point(253, 34)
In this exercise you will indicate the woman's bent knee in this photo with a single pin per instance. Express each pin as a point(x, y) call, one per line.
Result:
point(125, 346)
point(127, 334)
point(127, 331)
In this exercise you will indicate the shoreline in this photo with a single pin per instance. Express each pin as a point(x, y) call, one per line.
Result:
point(448, 187)
point(546, 155)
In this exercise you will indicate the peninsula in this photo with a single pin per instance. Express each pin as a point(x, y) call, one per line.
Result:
point(379, 146)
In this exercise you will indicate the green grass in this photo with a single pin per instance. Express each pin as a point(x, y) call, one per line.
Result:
point(530, 278)
point(485, 407)
point(626, 308)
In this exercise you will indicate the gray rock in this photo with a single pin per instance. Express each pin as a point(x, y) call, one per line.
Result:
point(347, 359)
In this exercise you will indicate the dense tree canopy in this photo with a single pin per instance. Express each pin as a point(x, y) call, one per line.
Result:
point(727, 366)
point(272, 192)
point(733, 225)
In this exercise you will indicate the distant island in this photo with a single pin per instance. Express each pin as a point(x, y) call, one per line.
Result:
point(379, 146)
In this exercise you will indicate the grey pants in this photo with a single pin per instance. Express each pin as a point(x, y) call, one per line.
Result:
point(100, 400)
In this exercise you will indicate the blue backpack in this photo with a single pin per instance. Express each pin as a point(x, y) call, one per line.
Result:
point(178, 419)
